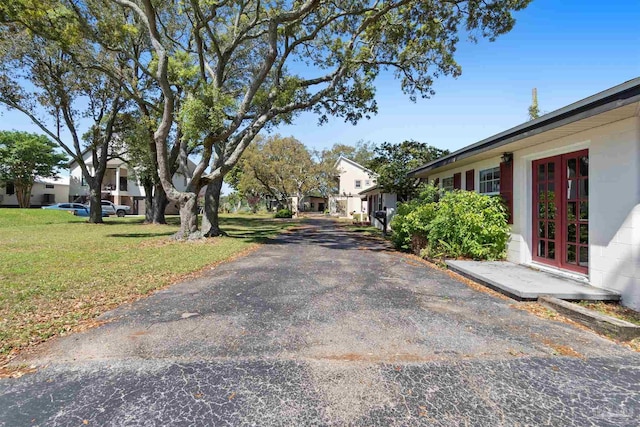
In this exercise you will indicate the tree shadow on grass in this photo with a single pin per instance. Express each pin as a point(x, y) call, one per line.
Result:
point(141, 234)
point(256, 230)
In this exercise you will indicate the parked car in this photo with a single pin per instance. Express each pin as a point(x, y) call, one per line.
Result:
point(77, 208)
point(112, 209)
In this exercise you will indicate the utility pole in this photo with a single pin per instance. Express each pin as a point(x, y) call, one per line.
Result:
point(534, 111)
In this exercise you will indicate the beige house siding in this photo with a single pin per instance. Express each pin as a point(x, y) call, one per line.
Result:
point(347, 201)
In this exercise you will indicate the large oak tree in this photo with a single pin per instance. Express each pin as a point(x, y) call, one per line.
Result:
point(237, 67)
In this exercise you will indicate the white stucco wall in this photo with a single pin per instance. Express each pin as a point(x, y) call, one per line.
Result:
point(60, 191)
point(389, 201)
point(614, 202)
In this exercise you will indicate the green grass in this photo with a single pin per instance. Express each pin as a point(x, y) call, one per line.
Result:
point(57, 271)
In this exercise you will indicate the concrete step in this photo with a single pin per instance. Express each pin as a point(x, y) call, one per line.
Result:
point(527, 284)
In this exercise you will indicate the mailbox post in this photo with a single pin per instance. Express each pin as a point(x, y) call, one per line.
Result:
point(382, 217)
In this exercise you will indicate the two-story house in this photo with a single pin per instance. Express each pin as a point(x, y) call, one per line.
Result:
point(119, 185)
point(352, 179)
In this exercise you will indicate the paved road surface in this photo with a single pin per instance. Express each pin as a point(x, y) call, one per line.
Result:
point(325, 327)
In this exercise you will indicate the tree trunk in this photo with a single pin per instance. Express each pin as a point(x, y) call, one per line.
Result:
point(23, 194)
point(211, 206)
point(95, 207)
point(148, 201)
point(188, 217)
point(160, 203)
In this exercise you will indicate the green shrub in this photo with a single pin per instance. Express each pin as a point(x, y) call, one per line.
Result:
point(468, 224)
point(411, 224)
point(284, 213)
point(460, 224)
point(411, 221)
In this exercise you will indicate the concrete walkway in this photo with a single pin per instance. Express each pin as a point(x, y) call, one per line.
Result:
point(523, 283)
point(326, 327)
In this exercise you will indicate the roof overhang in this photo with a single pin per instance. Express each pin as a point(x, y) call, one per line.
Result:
point(617, 103)
point(367, 191)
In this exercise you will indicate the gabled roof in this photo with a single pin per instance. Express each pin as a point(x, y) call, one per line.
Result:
point(358, 165)
point(607, 100)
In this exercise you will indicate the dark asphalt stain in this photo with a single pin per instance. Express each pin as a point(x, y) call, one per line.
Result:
point(326, 327)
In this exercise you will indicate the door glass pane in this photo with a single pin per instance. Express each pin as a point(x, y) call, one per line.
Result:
point(571, 168)
point(551, 210)
point(571, 211)
point(571, 254)
point(584, 210)
point(572, 191)
point(584, 234)
point(551, 246)
point(550, 171)
point(584, 188)
point(571, 233)
point(541, 210)
point(541, 175)
point(584, 166)
point(541, 230)
point(551, 230)
point(584, 256)
point(541, 252)
point(541, 191)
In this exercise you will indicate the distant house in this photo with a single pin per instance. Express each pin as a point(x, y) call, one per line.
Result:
point(45, 191)
point(119, 184)
point(571, 181)
point(352, 178)
point(313, 203)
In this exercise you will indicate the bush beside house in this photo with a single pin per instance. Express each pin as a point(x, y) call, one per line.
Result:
point(460, 224)
point(284, 213)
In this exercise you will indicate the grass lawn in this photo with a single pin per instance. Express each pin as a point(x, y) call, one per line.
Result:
point(57, 271)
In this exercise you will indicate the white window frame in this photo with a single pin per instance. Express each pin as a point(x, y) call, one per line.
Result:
point(490, 185)
point(358, 183)
point(447, 183)
point(367, 183)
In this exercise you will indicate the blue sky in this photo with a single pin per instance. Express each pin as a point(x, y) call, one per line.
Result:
point(567, 49)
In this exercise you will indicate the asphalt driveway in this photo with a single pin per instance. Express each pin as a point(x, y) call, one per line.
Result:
point(325, 327)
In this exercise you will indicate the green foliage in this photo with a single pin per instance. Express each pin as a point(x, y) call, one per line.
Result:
point(393, 162)
point(471, 225)
point(25, 156)
point(461, 224)
point(411, 223)
point(278, 167)
point(284, 213)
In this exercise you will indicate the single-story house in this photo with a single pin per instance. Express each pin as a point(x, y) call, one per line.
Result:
point(313, 203)
point(377, 200)
point(571, 181)
point(352, 179)
point(45, 192)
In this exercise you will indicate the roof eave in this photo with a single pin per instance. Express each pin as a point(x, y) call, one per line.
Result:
point(616, 97)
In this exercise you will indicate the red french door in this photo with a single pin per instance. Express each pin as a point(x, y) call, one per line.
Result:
point(561, 211)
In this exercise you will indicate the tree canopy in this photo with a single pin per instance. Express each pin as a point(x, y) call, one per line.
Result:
point(25, 157)
point(226, 70)
point(278, 168)
point(393, 161)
